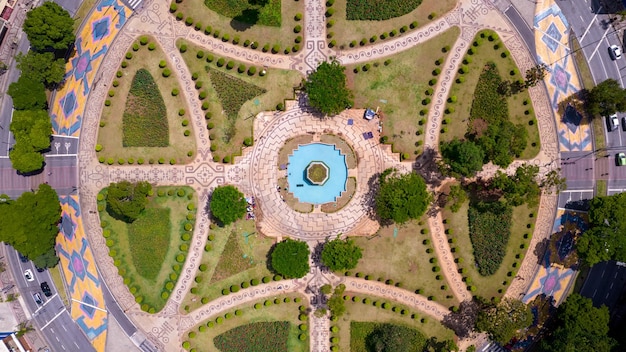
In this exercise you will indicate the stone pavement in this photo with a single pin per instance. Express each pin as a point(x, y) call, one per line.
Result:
point(256, 171)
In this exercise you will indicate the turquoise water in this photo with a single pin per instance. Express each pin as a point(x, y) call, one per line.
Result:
point(296, 173)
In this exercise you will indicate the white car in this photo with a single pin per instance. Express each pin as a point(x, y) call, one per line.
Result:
point(28, 275)
point(615, 52)
point(613, 122)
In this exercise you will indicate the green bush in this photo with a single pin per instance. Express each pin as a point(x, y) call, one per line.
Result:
point(372, 10)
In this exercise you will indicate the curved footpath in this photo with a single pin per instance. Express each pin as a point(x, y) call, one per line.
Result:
point(166, 328)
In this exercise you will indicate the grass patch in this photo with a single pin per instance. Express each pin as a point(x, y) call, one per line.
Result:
point(261, 336)
point(264, 13)
point(519, 109)
point(164, 230)
point(59, 283)
point(291, 145)
point(521, 230)
point(246, 262)
point(405, 259)
point(490, 227)
point(111, 131)
point(290, 199)
point(601, 188)
point(400, 90)
point(82, 12)
point(341, 200)
point(361, 331)
point(232, 99)
point(374, 10)
point(145, 120)
point(278, 321)
point(149, 238)
point(345, 30)
point(343, 146)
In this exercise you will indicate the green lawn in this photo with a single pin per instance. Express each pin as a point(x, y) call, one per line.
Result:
point(145, 117)
point(159, 121)
point(278, 324)
point(359, 312)
point(519, 108)
point(493, 285)
point(150, 252)
point(404, 258)
point(263, 13)
point(399, 90)
point(234, 254)
point(233, 99)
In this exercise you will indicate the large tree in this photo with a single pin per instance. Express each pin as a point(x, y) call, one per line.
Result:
point(463, 157)
point(290, 258)
point(401, 197)
point(32, 131)
point(25, 159)
point(28, 94)
point(520, 188)
point(42, 67)
point(341, 254)
point(606, 98)
point(326, 88)
point(227, 204)
point(580, 327)
point(49, 27)
point(606, 237)
point(29, 223)
point(502, 321)
point(126, 201)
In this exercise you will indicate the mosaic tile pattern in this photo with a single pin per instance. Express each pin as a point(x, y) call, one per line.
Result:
point(551, 36)
point(93, 41)
point(81, 276)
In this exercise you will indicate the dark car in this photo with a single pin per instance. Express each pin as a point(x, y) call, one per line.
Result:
point(46, 289)
point(40, 270)
point(624, 123)
point(23, 259)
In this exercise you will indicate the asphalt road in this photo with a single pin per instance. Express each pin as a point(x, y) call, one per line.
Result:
point(70, 6)
point(51, 318)
point(604, 284)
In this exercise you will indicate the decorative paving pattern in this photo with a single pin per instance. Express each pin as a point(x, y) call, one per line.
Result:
point(81, 275)
point(93, 41)
point(551, 38)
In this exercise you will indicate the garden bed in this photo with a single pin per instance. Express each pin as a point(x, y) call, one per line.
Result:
point(280, 15)
point(232, 94)
point(150, 252)
point(360, 334)
point(234, 255)
point(344, 31)
point(402, 90)
point(457, 115)
point(522, 227)
point(403, 259)
point(359, 311)
point(278, 324)
point(343, 199)
point(173, 134)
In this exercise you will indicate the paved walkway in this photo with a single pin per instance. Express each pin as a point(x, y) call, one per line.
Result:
point(256, 172)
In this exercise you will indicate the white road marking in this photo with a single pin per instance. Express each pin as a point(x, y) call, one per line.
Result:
point(51, 320)
point(590, 24)
point(598, 46)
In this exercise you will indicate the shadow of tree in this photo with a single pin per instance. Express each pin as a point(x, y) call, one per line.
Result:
point(427, 166)
point(245, 20)
point(540, 251)
point(462, 322)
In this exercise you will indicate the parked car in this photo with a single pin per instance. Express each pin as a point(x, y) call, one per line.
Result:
point(621, 159)
point(612, 122)
point(28, 275)
point(37, 298)
point(46, 289)
point(23, 259)
point(615, 52)
point(624, 123)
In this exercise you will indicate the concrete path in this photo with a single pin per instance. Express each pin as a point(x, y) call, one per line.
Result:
point(256, 171)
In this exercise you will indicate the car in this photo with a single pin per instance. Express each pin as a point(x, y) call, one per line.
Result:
point(624, 123)
point(40, 270)
point(28, 275)
point(615, 52)
point(23, 258)
point(621, 159)
point(46, 289)
point(612, 122)
point(37, 298)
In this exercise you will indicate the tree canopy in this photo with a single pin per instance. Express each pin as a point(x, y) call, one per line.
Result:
point(28, 94)
point(326, 88)
point(49, 27)
point(29, 223)
point(126, 201)
point(520, 188)
point(579, 327)
point(463, 157)
point(502, 321)
point(606, 98)
point(341, 254)
point(392, 338)
point(401, 197)
point(290, 258)
point(41, 67)
point(606, 237)
point(228, 204)
point(32, 131)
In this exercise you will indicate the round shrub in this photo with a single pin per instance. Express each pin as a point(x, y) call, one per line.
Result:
point(251, 71)
point(297, 29)
point(151, 46)
point(180, 258)
point(166, 72)
point(129, 55)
